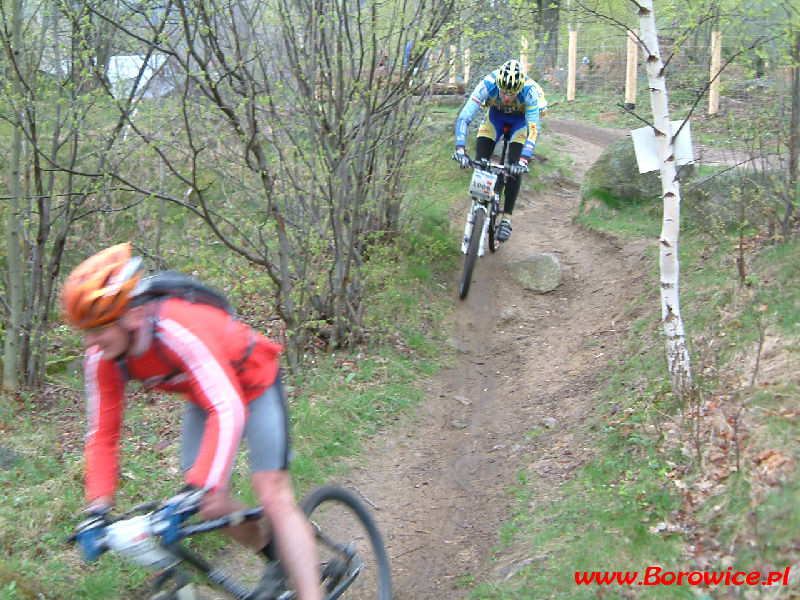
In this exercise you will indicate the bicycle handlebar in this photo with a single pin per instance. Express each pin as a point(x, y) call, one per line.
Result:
point(229, 520)
point(487, 165)
point(141, 531)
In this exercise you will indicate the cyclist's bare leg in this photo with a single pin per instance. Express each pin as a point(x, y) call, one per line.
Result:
point(294, 539)
point(253, 534)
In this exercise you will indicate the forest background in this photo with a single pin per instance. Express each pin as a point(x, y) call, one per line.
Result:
point(274, 153)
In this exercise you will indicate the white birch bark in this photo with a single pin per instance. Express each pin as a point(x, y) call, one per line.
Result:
point(677, 353)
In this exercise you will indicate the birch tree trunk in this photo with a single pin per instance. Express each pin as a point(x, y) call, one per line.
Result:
point(677, 354)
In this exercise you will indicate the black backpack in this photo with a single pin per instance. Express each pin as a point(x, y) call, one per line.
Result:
point(171, 284)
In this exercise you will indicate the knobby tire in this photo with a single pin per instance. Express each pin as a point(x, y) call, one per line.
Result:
point(472, 252)
point(494, 244)
point(340, 517)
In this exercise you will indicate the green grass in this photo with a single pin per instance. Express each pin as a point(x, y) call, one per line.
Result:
point(615, 514)
point(606, 518)
point(638, 220)
point(599, 521)
point(339, 405)
point(602, 107)
point(337, 402)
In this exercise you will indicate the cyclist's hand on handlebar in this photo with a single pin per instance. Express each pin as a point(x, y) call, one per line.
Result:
point(187, 500)
point(90, 534)
point(519, 168)
point(461, 157)
point(173, 511)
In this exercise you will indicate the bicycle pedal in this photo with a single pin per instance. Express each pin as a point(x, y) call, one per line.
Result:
point(186, 592)
point(172, 584)
point(272, 584)
point(333, 572)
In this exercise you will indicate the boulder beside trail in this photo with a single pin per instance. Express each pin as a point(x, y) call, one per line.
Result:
point(615, 177)
point(539, 273)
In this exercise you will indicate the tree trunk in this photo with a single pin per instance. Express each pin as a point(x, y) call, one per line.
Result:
point(14, 258)
point(677, 353)
point(794, 141)
point(547, 50)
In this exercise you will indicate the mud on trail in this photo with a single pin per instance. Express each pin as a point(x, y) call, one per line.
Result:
point(523, 361)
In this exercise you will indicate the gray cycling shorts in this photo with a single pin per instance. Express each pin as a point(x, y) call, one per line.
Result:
point(266, 431)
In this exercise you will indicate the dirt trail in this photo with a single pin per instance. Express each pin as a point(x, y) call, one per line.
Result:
point(440, 482)
point(522, 361)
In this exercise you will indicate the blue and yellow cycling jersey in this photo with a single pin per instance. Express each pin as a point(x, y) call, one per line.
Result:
point(523, 112)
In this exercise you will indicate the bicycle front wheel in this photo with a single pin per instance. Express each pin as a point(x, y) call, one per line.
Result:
point(353, 559)
point(494, 243)
point(472, 253)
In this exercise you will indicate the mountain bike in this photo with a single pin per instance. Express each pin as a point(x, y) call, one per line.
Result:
point(486, 190)
point(353, 559)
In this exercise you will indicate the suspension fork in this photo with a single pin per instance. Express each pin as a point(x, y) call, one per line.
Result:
point(476, 206)
point(486, 208)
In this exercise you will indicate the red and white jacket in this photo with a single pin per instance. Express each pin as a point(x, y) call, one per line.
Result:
point(218, 363)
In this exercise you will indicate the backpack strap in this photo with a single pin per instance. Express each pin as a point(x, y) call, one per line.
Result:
point(238, 364)
point(123, 366)
point(154, 316)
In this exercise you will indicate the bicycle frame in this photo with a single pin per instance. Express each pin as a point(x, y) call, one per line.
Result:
point(212, 573)
point(486, 188)
point(152, 536)
point(162, 532)
point(491, 209)
point(228, 582)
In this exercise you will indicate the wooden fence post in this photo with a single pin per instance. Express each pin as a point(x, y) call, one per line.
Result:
point(716, 59)
point(572, 59)
point(630, 73)
point(523, 55)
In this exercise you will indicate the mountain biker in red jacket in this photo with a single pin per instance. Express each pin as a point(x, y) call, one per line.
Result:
point(513, 99)
point(227, 373)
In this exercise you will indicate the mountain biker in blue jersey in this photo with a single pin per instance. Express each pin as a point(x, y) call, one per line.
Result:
point(516, 100)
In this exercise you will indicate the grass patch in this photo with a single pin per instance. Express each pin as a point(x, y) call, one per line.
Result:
point(703, 486)
point(623, 218)
point(600, 107)
point(338, 405)
point(600, 521)
point(337, 402)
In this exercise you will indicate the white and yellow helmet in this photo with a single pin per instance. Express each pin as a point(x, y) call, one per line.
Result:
point(511, 79)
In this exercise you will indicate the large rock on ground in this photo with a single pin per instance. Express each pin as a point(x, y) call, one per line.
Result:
point(8, 458)
point(539, 273)
point(615, 178)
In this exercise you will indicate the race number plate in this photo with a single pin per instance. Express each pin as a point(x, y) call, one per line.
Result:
point(131, 539)
point(482, 184)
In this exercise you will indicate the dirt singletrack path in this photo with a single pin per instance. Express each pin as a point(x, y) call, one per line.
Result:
point(523, 362)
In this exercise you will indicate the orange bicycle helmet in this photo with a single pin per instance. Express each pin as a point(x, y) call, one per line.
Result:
point(99, 290)
point(511, 79)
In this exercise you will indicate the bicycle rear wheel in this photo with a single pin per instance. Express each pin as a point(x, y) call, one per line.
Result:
point(472, 253)
point(353, 559)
